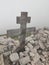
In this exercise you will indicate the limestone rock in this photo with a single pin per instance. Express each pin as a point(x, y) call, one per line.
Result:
point(24, 60)
point(36, 57)
point(38, 63)
point(41, 45)
point(32, 63)
point(29, 64)
point(7, 53)
point(21, 54)
point(14, 57)
point(26, 49)
point(32, 42)
point(28, 39)
point(30, 46)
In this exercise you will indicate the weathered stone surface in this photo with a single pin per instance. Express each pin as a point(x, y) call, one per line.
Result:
point(14, 57)
point(28, 39)
point(32, 63)
point(36, 57)
point(7, 53)
point(24, 60)
point(21, 54)
point(30, 46)
point(1, 60)
point(38, 63)
point(25, 53)
point(32, 55)
point(41, 45)
point(27, 49)
point(29, 64)
point(32, 42)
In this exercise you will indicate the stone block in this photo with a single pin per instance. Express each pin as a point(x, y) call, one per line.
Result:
point(36, 57)
point(29, 45)
point(26, 49)
point(14, 57)
point(21, 54)
point(24, 60)
point(38, 63)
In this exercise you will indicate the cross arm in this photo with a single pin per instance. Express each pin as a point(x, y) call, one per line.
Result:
point(18, 19)
point(21, 19)
point(28, 19)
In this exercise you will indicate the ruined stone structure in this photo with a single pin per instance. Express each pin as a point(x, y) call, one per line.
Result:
point(16, 32)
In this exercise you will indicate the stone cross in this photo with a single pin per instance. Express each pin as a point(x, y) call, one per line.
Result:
point(23, 20)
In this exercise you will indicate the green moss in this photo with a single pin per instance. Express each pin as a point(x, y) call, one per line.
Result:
point(15, 37)
point(28, 34)
point(3, 35)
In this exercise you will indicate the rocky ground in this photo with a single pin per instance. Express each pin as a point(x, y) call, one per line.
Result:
point(36, 49)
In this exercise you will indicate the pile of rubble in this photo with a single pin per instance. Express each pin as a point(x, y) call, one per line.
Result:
point(36, 50)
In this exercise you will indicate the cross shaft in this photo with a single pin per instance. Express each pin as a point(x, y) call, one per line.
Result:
point(23, 20)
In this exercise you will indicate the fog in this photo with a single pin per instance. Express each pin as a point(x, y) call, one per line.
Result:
point(10, 9)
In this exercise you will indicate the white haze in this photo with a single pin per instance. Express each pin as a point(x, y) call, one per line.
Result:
point(37, 9)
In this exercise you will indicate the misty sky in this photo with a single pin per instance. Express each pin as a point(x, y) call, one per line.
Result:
point(37, 9)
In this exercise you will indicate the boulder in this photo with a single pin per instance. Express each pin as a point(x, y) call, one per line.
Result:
point(24, 60)
point(14, 57)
